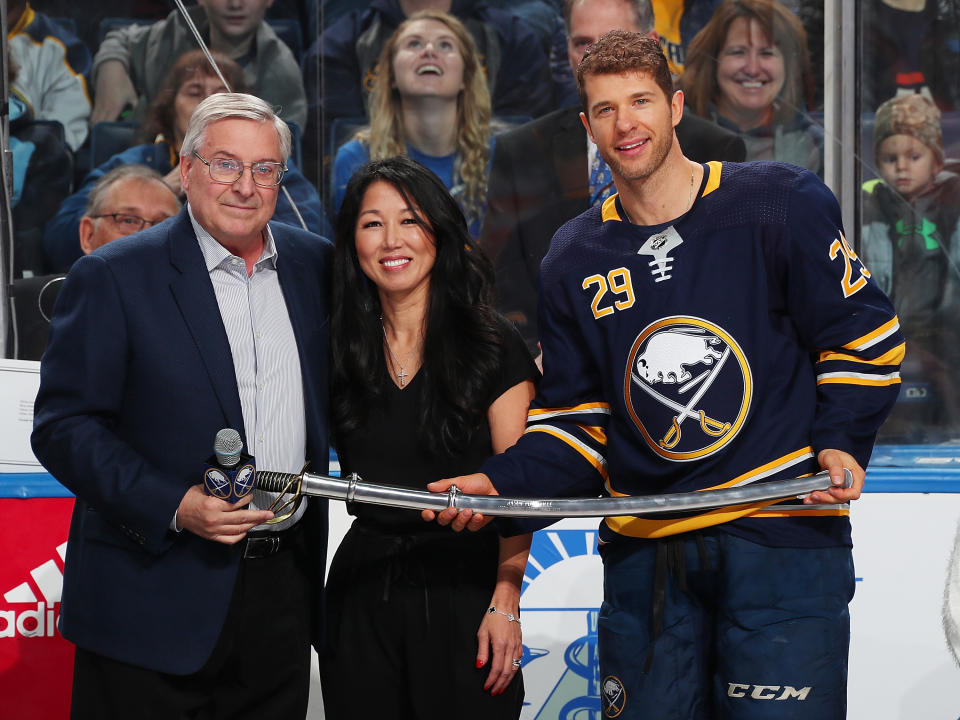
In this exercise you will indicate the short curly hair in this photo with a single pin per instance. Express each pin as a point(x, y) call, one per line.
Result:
point(622, 51)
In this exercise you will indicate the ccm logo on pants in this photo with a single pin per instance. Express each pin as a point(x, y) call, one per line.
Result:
point(767, 692)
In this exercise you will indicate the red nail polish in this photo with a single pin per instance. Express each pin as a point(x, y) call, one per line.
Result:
point(479, 663)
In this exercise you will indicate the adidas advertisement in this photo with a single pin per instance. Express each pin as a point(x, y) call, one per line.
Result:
point(36, 663)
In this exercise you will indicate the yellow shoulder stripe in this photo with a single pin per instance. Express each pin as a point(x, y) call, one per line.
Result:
point(713, 181)
point(608, 211)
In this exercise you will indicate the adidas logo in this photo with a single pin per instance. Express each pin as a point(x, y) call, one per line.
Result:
point(38, 621)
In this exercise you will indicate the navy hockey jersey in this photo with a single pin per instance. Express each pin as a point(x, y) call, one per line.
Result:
point(720, 349)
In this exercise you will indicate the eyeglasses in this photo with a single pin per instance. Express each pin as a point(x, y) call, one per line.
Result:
point(227, 171)
point(129, 223)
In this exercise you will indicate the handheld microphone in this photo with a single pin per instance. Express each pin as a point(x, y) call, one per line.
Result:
point(229, 474)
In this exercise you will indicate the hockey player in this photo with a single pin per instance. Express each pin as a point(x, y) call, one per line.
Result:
point(708, 326)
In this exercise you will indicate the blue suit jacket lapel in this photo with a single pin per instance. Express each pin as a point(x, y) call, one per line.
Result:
point(193, 292)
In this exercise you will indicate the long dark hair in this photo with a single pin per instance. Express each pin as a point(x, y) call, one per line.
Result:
point(462, 341)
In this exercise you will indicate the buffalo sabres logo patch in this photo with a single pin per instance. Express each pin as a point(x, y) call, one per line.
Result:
point(687, 387)
point(613, 696)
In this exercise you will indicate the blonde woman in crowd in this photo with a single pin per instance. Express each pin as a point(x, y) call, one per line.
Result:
point(430, 102)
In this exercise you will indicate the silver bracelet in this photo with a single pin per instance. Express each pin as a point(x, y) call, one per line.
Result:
point(509, 616)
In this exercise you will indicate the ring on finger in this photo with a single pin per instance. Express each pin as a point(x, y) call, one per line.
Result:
point(516, 662)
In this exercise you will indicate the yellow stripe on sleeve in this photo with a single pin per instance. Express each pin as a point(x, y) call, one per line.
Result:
point(891, 357)
point(856, 379)
point(592, 457)
point(533, 413)
point(872, 338)
point(596, 432)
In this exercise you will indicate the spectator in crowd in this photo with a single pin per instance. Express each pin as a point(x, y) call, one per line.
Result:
point(333, 10)
point(911, 46)
point(182, 604)
point(190, 80)
point(548, 171)
point(305, 13)
point(678, 21)
point(515, 62)
point(129, 68)
point(52, 64)
point(124, 201)
point(911, 242)
point(427, 380)
point(748, 70)
point(430, 101)
point(39, 181)
point(546, 17)
point(87, 15)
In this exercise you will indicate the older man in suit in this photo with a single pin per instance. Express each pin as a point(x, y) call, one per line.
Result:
point(548, 171)
point(182, 604)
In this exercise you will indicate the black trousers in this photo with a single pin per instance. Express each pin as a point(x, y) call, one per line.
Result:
point(403, 610)
point(259, 669)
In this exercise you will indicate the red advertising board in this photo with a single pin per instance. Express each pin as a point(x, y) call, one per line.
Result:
point(36, 663)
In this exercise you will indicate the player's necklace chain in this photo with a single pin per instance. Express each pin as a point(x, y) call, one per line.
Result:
point(401, 373)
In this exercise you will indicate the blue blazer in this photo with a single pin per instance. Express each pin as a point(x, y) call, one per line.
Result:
point(136, 381)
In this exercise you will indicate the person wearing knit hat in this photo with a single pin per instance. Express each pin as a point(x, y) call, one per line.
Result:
point(908, 144)
point(910, 241)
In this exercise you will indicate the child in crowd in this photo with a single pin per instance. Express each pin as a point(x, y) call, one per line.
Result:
point(911, 244)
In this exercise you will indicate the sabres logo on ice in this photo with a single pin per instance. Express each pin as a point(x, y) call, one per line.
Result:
point(687, 387)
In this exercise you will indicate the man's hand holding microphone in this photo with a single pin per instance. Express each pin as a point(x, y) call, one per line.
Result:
point(214, 509)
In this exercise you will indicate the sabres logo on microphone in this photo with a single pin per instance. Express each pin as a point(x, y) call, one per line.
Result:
point(687, 387)
point(244, 481)
point(217, 483)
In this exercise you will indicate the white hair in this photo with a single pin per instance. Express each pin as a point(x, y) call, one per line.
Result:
point(221, 106)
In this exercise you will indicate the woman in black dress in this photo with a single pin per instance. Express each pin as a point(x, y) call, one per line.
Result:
point(427, 382)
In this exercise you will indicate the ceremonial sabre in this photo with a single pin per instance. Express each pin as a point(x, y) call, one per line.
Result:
point(353, 489)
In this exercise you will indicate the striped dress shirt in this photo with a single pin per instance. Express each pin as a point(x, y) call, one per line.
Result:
point(265, 359)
